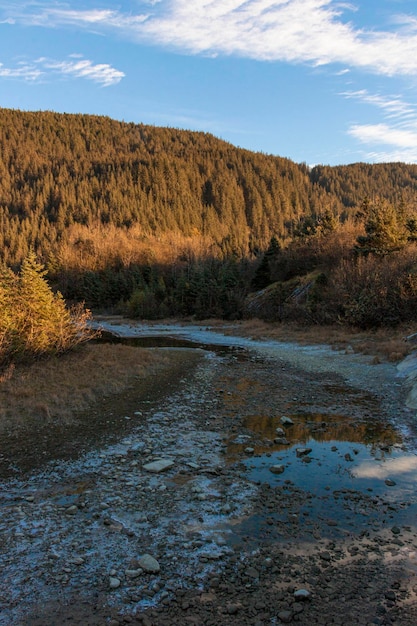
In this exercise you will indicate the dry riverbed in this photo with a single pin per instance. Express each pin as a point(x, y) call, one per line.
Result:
point(260, 483)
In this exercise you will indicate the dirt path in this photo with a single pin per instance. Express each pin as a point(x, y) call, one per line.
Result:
point(244, 524)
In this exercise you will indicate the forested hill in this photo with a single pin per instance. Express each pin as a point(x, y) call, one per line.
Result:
point(58, 171)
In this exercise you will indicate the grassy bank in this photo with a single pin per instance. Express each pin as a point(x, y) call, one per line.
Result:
point(60, 406)
point(384, 344)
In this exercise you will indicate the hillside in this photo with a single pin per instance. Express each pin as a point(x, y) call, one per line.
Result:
point(57, 170)
point(160, 221)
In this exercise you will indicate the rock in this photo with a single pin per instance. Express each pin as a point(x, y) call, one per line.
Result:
point(277, 469)
point(348, 457)
point(283, 441)
point(114, 582)
point(249, 450)
point(302, 451)
point(285, 616)
point(252, 572)
point(286, 421)
point(149, 564)
point(302, 594)
point(133, 573)
point(390, 595)
point(280, 432)
point(158, 466)
point(71, 510)
point(390, 483)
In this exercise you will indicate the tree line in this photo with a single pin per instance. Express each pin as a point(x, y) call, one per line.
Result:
point(158, 221)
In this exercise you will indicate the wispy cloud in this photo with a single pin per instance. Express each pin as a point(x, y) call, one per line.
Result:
point(101, 73)
point(391, 106)
point(384, 134)
point(43, 69)
point(387, 143)
point(395, 137)
point(318, 32)
point(23, 71)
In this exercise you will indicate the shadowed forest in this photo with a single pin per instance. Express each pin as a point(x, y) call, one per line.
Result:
point(155, 222)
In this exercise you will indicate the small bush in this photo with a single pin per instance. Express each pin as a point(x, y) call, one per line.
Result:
point(34, 320)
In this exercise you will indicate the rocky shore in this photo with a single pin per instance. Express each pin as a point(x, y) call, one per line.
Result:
point(182, 520)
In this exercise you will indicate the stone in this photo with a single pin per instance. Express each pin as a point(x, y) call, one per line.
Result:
point(302, 594)
point(285, 616)
point(390, 595)
point(133, 573)
point(149, 564)
point(302, 451)
point(252, 572)
point(158, 466)
point(390, 483)
point(114, 583)
point(286, 421)
point(71, 510)
point(277, 469)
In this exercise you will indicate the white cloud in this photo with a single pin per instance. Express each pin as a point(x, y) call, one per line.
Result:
point(300, 31)
point(44, 68)
point(23, 71)
point(396, 133)
point(384, 134)
point(101, 73)
point(392, 106)
point(400, 144)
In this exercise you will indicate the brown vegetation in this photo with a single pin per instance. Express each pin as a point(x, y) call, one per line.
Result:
point(384, 344)
point(63, 406)
point(156, 222)
point(59, 387)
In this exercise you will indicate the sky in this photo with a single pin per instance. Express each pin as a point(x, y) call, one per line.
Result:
point(316, 81)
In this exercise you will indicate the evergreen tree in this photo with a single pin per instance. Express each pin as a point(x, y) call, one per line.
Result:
point(385, 228)
point(263, 274)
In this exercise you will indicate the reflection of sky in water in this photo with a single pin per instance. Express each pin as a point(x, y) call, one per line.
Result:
point(401, 468)
point(352, 494)
point(329, 468)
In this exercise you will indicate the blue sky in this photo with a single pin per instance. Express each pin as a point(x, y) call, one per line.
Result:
point(317, 81)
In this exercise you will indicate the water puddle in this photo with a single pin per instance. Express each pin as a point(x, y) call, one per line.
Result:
point(171, 342)
point(325, 469)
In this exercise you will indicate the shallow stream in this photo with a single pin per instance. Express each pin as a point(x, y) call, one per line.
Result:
point(327, 433)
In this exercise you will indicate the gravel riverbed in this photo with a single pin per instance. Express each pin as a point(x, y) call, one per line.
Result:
point(274, 485)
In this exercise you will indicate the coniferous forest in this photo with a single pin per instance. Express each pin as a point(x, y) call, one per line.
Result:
point(154, 222)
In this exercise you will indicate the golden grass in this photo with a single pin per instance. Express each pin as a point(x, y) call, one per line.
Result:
point(384, 344)
point(53, 390)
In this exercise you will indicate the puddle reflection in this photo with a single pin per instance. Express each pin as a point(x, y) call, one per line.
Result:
point(322, 452)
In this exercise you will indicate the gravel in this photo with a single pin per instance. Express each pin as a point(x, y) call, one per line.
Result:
point(177, 522)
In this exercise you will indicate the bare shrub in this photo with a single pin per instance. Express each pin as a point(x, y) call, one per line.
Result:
point(377, 291)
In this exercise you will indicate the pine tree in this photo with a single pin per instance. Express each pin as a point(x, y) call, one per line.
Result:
point(385, 228)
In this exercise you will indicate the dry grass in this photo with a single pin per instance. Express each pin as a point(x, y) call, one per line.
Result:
point(384, 344)
point(55, 389)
